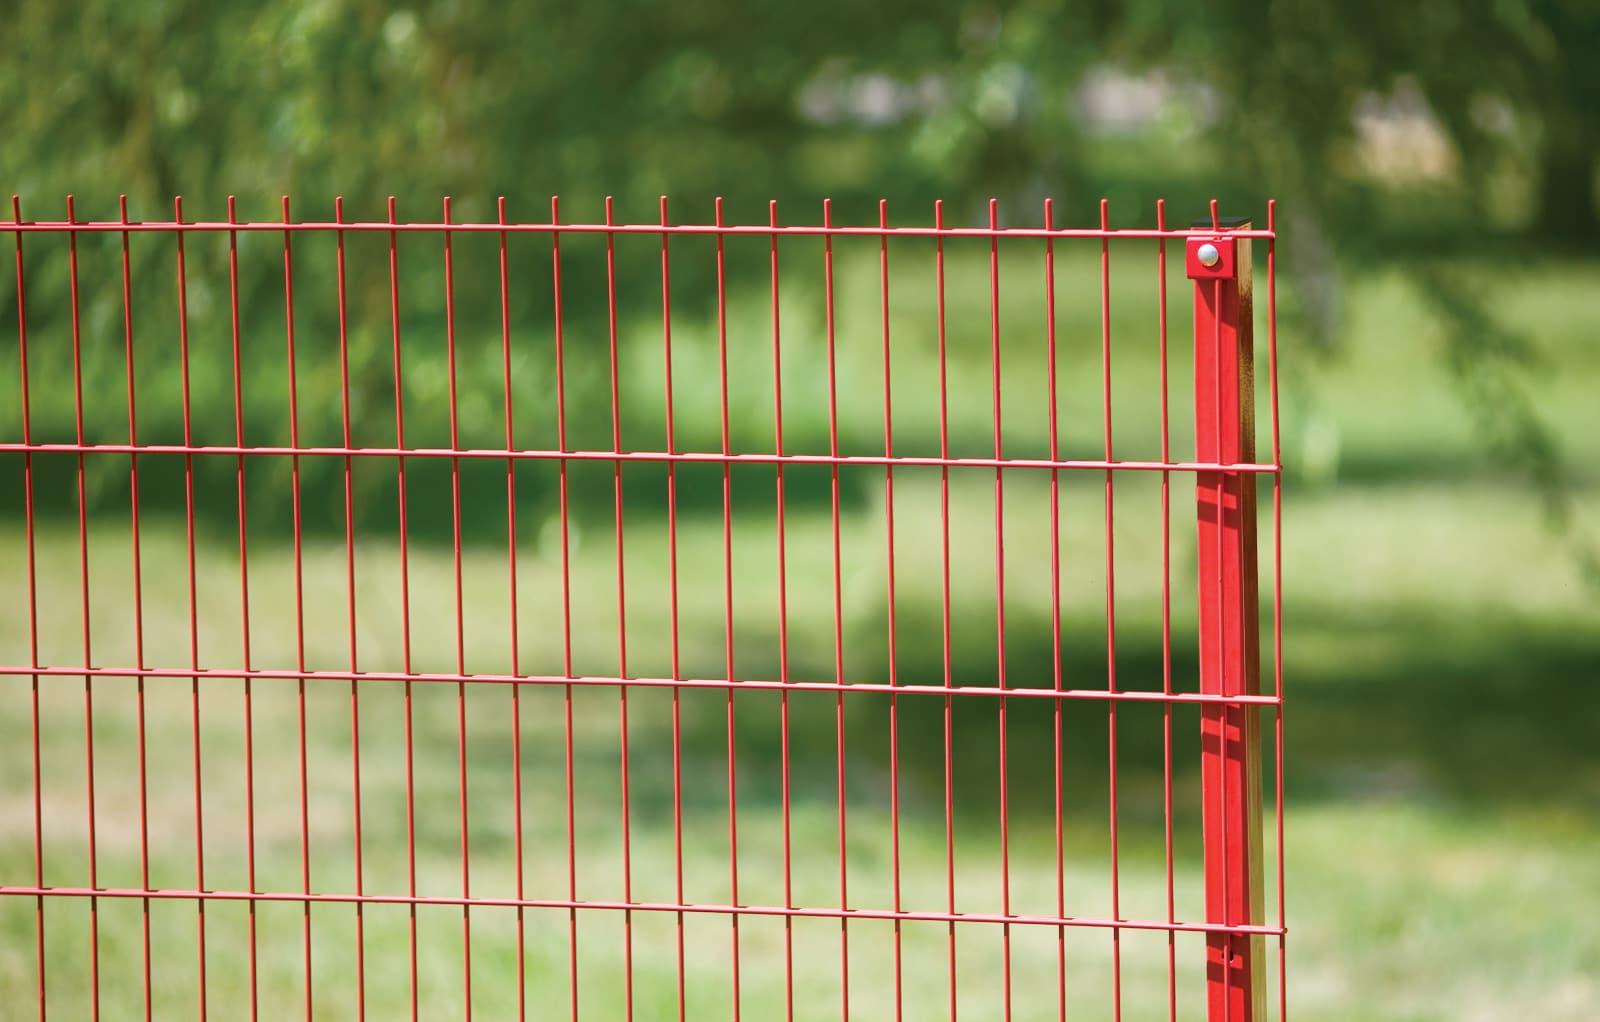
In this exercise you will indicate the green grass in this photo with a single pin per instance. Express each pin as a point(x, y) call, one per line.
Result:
point(1442, 784)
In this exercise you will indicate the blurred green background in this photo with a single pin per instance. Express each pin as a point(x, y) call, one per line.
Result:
point(1435, 172)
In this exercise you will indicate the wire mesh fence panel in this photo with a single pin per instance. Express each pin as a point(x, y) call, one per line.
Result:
point(604, 619)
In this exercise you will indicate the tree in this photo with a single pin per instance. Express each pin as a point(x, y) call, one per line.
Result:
point(700, 97)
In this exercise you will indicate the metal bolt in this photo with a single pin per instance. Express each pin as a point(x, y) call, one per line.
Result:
point(1208, 255)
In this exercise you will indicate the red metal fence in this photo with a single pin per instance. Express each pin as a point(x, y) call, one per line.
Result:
point(698, 924)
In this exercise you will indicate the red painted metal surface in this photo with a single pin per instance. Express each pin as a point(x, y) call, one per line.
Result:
point(1223, 692)
point(1229, 625)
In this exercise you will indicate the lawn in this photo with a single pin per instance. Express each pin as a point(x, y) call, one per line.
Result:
point(1441, 663)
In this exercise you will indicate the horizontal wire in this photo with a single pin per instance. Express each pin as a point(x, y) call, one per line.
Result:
point(866, 688)
point(709, 457)
point(762, 230)
point(646, 906)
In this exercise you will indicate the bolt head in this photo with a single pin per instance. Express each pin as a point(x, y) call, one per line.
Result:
point(1208, 255)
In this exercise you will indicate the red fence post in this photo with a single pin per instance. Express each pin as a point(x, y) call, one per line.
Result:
point(1229, 643)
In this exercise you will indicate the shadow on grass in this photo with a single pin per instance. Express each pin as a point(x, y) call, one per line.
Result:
point(1384, 705)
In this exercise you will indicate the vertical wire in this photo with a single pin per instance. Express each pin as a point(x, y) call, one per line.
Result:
point(944, 604)
point(1277, 590)
point(83, 589)
point(622, 615)
point(1055, 603)
point(511, 581)
point(1000, 603)
point(405, 610)
point(1166, 614)
point(566, 607)
point(461, 648)
point(350, 605)
point(672, 596)
point(727, 607)
point(299, 603)
point(138, 606)
point(244, 590)
point(783, 624)
point(194, 611)
point(894, 702)
point(33, 611)
point(841, 778)
point(1111, 604)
